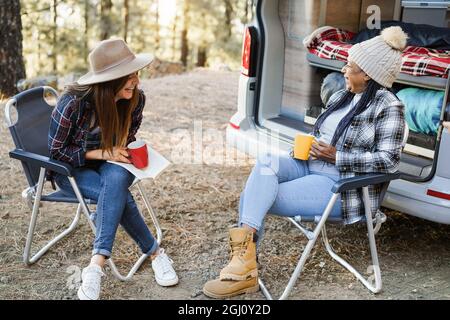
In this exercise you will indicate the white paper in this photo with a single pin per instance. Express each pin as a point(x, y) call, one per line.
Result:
point(156, 164)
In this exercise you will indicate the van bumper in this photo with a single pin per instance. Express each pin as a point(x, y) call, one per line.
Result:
point(412, 198)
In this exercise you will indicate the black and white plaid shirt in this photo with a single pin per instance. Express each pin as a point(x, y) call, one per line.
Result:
point(371, 144)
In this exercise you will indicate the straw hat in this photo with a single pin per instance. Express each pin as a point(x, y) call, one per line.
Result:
point(112, 59)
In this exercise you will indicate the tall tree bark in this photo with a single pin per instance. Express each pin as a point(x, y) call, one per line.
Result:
point(184, 33)
point(105, 19)
point(86, 29)
point(246, 12)
point(228, 17)
point(126, 9)
point(12, 67)
point(201, 56)
point(55, 37)
point(157, 28)
point(174, 36)
point(201, 52)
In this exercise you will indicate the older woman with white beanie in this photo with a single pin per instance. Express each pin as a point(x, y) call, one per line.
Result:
point(360, 132)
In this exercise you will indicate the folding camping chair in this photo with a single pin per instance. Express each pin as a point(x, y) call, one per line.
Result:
point(360, 183)
point(30, 135)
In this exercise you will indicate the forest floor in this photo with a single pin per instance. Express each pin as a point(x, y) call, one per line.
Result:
point(196, 202)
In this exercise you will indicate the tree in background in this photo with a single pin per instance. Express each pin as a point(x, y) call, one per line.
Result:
point(126, 19)
point(54, 53)
point(184, 33)
point(58, 34)
point(105, 19)
point(12, 67)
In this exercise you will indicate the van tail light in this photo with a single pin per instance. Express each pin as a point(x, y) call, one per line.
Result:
point(438, 194)
point(248, 52)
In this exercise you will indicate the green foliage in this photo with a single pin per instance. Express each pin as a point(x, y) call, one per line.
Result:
point(215, 26)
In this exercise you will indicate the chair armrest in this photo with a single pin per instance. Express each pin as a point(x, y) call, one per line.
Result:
point(43, 162)
point(363, 181)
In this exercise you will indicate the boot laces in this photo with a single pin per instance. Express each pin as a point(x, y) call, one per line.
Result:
point(238, 248)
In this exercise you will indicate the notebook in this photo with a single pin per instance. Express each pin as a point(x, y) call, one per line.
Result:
point(157, 164)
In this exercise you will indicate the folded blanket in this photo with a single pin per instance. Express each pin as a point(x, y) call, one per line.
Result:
point(423, 109)
point(333, 43)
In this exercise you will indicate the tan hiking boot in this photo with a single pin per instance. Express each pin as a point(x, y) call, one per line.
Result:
point(221, 289)
point(243, 256)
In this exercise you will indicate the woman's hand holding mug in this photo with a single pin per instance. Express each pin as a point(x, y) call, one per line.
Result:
point(321, 150)
point(119, 154)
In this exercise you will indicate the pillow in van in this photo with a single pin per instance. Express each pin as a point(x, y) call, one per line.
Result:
point(422, 109)
point(331, 84)
point(419, 35)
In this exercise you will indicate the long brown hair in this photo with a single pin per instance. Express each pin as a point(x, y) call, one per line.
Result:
point(114, 119)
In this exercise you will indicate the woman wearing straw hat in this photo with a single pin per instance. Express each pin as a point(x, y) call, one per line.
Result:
point(94, 120)
point(360, 132)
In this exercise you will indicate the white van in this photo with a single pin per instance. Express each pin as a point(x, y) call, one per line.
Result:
point(280, 89)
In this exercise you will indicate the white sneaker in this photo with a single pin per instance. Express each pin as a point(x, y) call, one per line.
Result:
point(164, 273)
point(90, 286)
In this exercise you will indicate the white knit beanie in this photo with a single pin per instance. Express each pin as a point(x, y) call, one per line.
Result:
point(381, 57)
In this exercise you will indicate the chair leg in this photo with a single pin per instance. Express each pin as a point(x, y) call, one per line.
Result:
point(305, 254)
point(151, 212)
point(110, 261)
point(375, 267)
point(34, 214)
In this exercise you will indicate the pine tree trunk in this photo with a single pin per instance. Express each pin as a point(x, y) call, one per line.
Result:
point(184, 32)
point(228, 17)
point(201, 56)
point(174, 37)
point(157, 37)
point(86, 29)
point(55, 37)
point(201, 52)
point(246, 12)
point(126, 9)
point(12, 68)
point(105, 19)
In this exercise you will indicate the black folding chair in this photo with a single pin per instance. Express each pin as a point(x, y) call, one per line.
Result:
point(31, 111)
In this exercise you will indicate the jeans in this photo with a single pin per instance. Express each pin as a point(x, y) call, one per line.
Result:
point(108, 185)
point(284, 186)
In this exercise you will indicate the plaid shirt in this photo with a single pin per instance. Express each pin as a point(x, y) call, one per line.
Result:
point(70, 135)
point(371, 144)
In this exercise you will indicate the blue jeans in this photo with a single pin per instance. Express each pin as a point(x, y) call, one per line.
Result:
point(108, 185)
point(284, 186)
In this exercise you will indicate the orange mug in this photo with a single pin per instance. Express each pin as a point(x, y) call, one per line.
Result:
point(302, 146)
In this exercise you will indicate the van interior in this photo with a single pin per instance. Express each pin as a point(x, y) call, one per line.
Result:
point(298, 79)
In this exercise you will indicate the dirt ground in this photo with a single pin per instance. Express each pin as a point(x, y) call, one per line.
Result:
point(196, 204)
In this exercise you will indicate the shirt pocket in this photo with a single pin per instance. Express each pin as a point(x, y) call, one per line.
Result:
point(365, 136)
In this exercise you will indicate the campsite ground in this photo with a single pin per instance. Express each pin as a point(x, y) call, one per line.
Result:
point(196, 202)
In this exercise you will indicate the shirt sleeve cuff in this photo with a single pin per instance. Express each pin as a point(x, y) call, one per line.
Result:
point(344, 161)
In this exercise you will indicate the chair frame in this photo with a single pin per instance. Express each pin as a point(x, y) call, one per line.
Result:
point(34, 196)
point(361, 182)
point(373, 282)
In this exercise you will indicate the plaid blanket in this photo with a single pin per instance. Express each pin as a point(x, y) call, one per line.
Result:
point(331, 43)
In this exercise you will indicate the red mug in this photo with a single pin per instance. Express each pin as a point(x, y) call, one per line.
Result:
point(138, 154)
